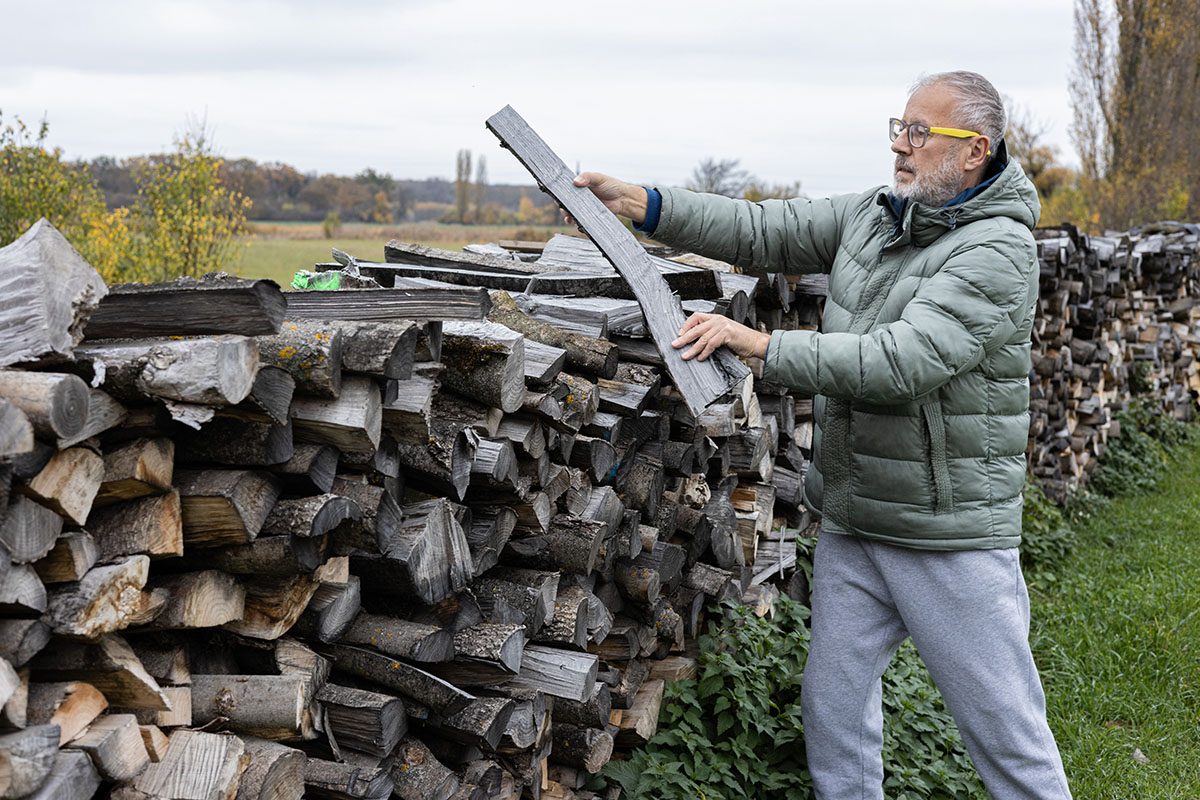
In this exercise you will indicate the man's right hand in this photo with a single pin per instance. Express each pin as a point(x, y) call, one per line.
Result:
point(623, 199)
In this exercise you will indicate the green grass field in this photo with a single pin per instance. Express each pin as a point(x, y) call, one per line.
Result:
point(1117, 637)
point(279, 259)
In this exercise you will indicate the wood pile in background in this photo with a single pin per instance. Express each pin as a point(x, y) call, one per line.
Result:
point(1117, 319)
point(443, 539)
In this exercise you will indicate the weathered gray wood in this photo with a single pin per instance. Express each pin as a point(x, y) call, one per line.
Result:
point(22, 639)
point(21, 592)
point(376, 523)
point(271, 393)
point(363, 720)
point(484, 653)
point(557, 672)
point(480, 724)
point(224, 506)
point(311, 467)
point(270, 706)
point(427, 556)
point(401, 638)
point(485, 361)
point(216, 370)
point(383, 349)
point(47, 292)
point(74, 553)
point(408, 404)
point(569, 625)
point(309, 516)
point(417, 304)
point(311, 352)
point(28, 530)
point(352, 422)
point(418, 775)
point(151, 525)
point(73, 777)
point(267, 555)
point(135, 469)
point(55, 404)
point(591, 355)
point(589, 713)
point(588, 749)
point(275, 772)
point(542, 363)
point(333, 608)
point(103, 414)
point(421, 686)
point(331, 780)
point(571, 544)
point(700, 382)
point(216, 303)
point(16, 434)
point(26, 759)
point(110, 665)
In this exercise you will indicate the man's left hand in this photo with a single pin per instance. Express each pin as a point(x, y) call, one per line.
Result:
point(710, 331)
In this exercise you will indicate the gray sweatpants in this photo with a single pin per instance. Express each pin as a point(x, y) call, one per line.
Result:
point(968, 615)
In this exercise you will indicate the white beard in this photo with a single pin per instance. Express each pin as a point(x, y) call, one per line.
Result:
point(932, 188)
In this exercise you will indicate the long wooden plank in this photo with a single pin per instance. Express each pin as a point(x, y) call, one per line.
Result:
point(700, 382)
point(187, 306)
point(390, 304)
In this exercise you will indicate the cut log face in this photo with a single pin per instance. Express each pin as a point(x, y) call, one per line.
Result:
point(49, 292)
point(557, 672)
point(275, 772)
point(352, 422)
point(362, 720)
point(21, 592)
point(26, 759)
point(55, 404)
point(115, 746)
point(224, 506)
point(311, 353)
point(197, 766)
point(71, 706)
point(136, 469)
point(273, 605)
point(22, 639)
point(150, 525)
point(68, 483)
point(217, 371)
point(16, 434)
point(237, 443)
point(200, 600)
point(309, 516)
point(419, 776)
point(486, 361)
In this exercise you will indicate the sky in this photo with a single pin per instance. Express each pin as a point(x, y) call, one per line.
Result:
point(797, 91)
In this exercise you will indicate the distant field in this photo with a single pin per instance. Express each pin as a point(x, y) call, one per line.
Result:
point(276, 250)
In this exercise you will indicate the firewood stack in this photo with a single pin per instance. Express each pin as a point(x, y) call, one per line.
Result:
point(443, 539)
point(1117, 320)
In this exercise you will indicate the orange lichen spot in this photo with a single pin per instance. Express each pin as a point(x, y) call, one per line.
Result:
point(287, 352)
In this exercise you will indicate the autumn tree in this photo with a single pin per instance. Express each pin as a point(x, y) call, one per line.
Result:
point(720, 177)
point(480, 188)
point(1135, 93)
point(462, 184)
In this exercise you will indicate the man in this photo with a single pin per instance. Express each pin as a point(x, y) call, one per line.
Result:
point(922, 409)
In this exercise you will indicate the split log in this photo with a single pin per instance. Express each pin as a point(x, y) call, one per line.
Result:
point(110, 665)
point(102, 602)
point(271, 394)
point(136, 469)
point(419, 304)
point(154, 740)
point(224, 506)
point(480, 724)
point(639, 723)
point(273, 605)
point(401, 638)
point(310, 352)
point(26, 759)
point(432, 549)
point(21, 592)
point(407, 404)
point(594, 455)
point(275, 771)
point(237, 443)
point(352, 422)
point(216, 371)
point(377, 521)
point(484, 653)
point(311, 468)
point(179, 715)
point(588, 749)
point(557, 672)
point(700, 382)
point(73, 777)
point(164, 657)
point(103, 414)
point(276, 556)
point(199, 600)
point(309, 516)
point(22, 639)
point(331, 780)
point(410, 681)
point(569, 625)
point(384, 349)
point(333, 608)
point(362, 720)
point(16, 434)
point(68, 483)
point(588, 354)
point(115, 746)
point(491, 529)
point(511, 594)
point(571, 544)
point(542, 363)
point(592, 712)
point(55, 404)
point(216, 303)
point(273, 707)
point(150, 525)
point(197, 766)
point(49, 292)
point(486, 361)
point(417, 775)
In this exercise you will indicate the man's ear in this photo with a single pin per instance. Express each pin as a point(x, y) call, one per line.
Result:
point(978, 151)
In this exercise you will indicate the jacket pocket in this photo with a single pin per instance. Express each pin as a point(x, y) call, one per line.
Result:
point(939, 467)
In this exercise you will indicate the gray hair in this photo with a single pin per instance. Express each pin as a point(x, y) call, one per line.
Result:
point(979, 105)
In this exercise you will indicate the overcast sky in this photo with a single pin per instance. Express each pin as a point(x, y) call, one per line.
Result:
point(643, 90)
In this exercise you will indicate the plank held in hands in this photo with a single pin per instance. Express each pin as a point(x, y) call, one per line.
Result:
point(700, 382)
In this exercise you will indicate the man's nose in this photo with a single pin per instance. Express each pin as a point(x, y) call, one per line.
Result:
point(901, 144)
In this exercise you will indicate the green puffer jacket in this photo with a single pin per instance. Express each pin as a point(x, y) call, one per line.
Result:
point(921, 371)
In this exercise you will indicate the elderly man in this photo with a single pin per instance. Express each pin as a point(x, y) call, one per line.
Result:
point(921, 380)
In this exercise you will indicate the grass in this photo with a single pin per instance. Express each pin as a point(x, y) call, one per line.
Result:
point(1117, 637)
point(276, 250)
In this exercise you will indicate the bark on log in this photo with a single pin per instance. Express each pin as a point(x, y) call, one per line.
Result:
point(331, 780)
point(232, 442)
point(309, 516)
point(311, 353)
point(401, 638)
point(424, 688)
point(417, 775)
point(587, 354)
point(352, 422)
point(584, 748)
point(272, 707)
point(224, 506)
point(216, 371)
point(149, 525)
point(486, 361)
point(383, 349)
point(102, 602)
point(136, 469)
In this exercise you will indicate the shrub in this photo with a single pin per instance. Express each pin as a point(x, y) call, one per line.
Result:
point(331, 226)
point(1136, 460)
point(1046, 537)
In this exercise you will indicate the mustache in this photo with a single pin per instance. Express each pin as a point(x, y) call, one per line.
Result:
point(904, 163)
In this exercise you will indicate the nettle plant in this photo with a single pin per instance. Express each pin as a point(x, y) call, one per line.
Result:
point(737, 732)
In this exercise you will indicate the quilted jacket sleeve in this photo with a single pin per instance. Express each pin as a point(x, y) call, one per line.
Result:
point(797, 235)
point(973, 305)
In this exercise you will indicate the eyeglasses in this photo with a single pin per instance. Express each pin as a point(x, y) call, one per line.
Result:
point(918, 133)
